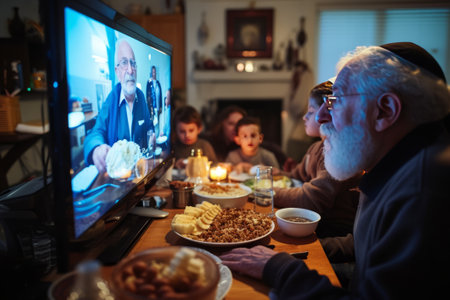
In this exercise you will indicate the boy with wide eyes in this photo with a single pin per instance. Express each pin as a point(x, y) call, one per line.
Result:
point(249, 137)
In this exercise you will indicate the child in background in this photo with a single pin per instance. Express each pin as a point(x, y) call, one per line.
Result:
point(188, 124)
point(249, 137)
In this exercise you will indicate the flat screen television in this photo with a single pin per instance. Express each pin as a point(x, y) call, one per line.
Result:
point(109, 84)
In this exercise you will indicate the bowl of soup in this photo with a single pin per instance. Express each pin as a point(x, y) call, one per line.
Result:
point(297, 222)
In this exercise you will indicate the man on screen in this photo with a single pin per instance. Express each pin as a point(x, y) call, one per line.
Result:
point(154, 95)
point(124, 115)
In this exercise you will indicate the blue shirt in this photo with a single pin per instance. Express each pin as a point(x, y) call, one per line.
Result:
point(112, 123)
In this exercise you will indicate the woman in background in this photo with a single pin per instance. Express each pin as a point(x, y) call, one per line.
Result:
point(223, 131)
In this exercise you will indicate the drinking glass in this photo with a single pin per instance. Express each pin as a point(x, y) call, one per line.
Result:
point(263, 191)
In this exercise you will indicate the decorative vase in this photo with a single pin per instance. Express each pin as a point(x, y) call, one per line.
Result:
point(16, 25)
point(203, 30)
point(289, 55)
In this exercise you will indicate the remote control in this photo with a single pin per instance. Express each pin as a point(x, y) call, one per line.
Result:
point(149, 212)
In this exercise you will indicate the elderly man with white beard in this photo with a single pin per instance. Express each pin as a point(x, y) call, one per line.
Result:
point(389, 118)
point(124, 114)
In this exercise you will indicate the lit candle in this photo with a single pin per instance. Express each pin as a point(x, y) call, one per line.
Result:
point(218, 173)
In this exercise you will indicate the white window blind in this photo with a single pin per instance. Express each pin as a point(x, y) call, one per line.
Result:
point(341, 31)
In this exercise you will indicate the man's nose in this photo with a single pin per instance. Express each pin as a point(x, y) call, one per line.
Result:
point(129, 69)
point(323, 115)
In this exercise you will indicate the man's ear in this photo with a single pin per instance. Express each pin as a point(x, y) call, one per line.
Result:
point(388, 108)
point(237, 140)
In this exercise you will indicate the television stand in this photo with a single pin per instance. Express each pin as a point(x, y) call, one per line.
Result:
point(123, 238)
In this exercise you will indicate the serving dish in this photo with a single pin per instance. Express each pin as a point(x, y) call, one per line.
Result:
point(226, 277)
point(279, 181)
point(233, 244)
point(225, 201)
point(166, 273)
point(241, 177)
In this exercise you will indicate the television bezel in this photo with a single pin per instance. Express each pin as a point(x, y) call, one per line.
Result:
point(57, 86)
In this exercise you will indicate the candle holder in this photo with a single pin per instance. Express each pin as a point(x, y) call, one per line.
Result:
point(218, 173)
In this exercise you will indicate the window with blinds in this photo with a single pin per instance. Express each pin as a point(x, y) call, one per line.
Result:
point(341, 31)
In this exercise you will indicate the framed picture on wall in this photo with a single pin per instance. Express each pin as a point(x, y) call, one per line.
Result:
point(249, 33)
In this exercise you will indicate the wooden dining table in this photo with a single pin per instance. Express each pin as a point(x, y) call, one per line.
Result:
point(159, 234)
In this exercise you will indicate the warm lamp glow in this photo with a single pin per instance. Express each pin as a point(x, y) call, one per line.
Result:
point(249, 67)
point(218, 173)
point(240, 67)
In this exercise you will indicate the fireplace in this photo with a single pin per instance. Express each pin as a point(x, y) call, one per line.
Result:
point(262, 94)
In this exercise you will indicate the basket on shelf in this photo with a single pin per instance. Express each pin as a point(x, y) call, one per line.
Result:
point(9, 113)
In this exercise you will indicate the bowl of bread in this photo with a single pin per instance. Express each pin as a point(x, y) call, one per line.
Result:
point(122, 158)
point(166, 273)
point(227, 195)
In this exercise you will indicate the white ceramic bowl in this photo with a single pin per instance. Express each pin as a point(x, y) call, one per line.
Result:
point(297, 229)
point(225, 201)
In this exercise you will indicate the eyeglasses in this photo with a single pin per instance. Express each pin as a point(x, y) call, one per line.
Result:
point(124, 63)
point(330, 100)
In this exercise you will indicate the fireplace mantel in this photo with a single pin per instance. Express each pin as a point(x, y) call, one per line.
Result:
point(230, 84)
point(234, 76)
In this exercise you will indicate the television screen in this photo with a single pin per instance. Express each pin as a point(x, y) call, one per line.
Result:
point(109, 85)
point(119, 113)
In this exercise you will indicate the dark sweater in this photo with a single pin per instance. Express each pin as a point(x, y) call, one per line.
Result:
point(335, 201)
point(402, 234)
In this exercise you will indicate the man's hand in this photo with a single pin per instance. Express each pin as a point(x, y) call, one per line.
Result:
point(246, 261)
point(99, 157)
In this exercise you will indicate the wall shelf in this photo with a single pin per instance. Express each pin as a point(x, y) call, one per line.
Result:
point(234, 76)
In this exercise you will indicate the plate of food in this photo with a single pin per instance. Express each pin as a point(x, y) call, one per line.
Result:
point(279, 181)
point(226, 277)
point(209, 225)
point(240, 177)
point(161, 139)
point(244, 176)
point(122, 158)
point(224, 194)
point(158, 151)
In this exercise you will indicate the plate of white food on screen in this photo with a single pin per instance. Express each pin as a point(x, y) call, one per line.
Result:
point(122, 158)
point(158, 151)
point(161, 139)
point(210, 225)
